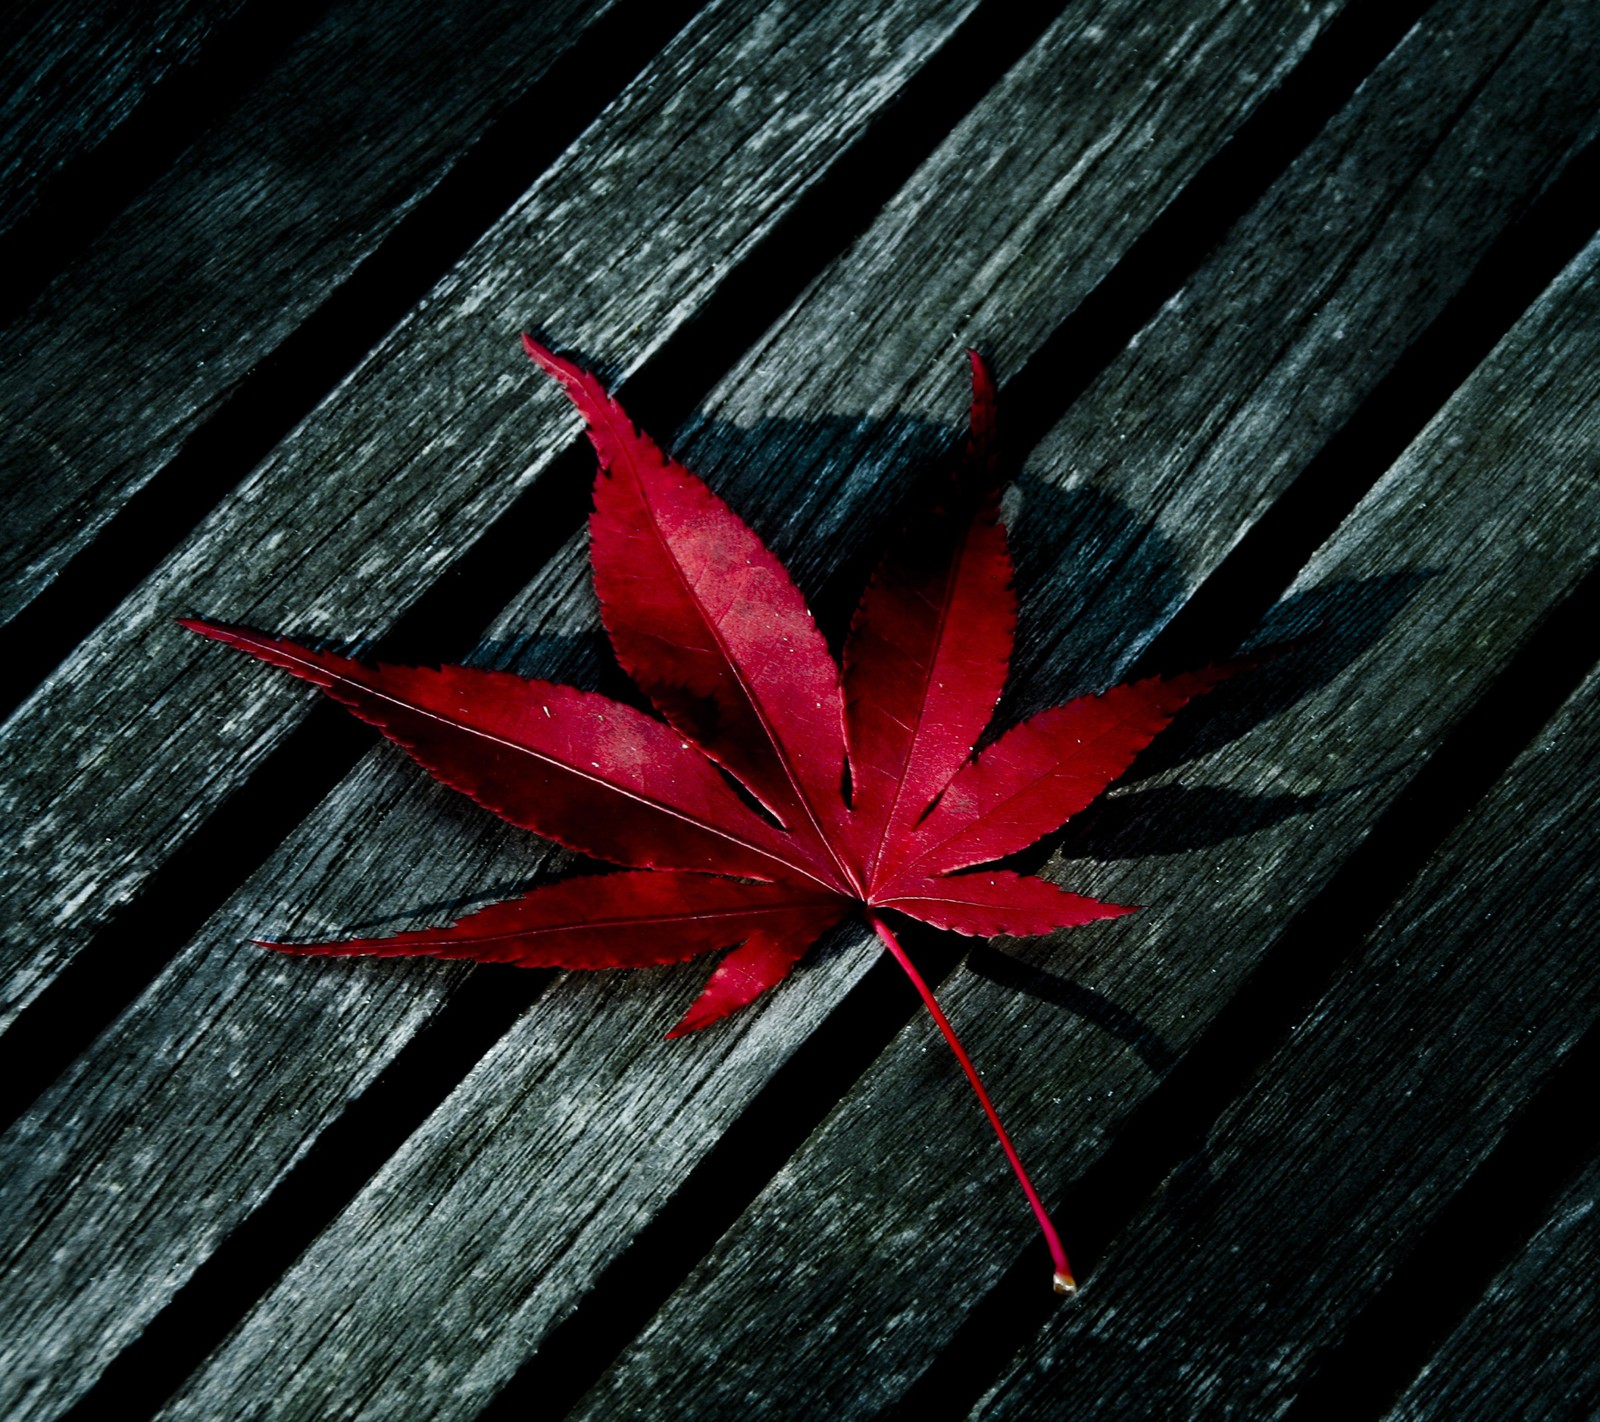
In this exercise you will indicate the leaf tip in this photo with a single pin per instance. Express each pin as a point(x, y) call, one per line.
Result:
point(692, 1021)
point(982, 374)
point(548, 361)
point(293, 950)
point(582, 387)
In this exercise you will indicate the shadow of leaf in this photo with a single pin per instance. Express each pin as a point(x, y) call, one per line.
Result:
point(1172, 819)
point(1323, 630)
point(990, 963)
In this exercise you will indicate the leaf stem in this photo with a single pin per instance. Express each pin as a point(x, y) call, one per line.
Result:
point(1064, 1282)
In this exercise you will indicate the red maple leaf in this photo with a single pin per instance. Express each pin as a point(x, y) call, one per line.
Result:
point(873, 799)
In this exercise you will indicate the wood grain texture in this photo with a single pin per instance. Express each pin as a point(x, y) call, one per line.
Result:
point(1530, 1349)
point(360, 1335)
point(884, 1223)
point(72, 73)
point(376, 871)
point(140, 341)
point(124, 752)
point(1378, 1108)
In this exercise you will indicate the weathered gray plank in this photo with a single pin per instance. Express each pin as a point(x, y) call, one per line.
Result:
point(416, 1265)
point(121, 755)
point(253, 229)
point(70, 74)
point(1397, 1086)
point(891, 1216)
point(217, 1001)
point(1530, 1349)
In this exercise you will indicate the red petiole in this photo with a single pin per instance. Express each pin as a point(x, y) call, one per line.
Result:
point(1064, 1282)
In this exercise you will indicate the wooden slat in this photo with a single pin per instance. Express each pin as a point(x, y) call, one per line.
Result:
point(119, 758)
point(1529, 1351)
point(140, 341)
point(228, 1014)
point(72, 73)
point(896, 1213)
point(439, 1225)
point(1413, 1065)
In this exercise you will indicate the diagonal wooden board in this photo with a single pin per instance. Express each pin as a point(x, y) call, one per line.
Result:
point(553, 1107)
point(1411, 1067)
point(1530, 1348)
point(210, 1010)
point(74, 73)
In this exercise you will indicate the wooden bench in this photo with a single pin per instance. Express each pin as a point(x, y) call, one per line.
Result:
point(1296, 308)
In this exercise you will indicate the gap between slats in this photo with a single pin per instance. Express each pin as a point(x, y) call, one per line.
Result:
point(1507, 1201)
point(74, 204)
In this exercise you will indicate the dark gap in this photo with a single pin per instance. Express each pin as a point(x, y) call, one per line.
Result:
point(1175, 245)
point(629, 1291)
point(251, 1259)
point(289, 382)
point(133, 947)
point(1480, 1231)
point(113, 968)
point(1171, 1125)
point(1515, 269)
point(76, 204)
point(748, 798)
